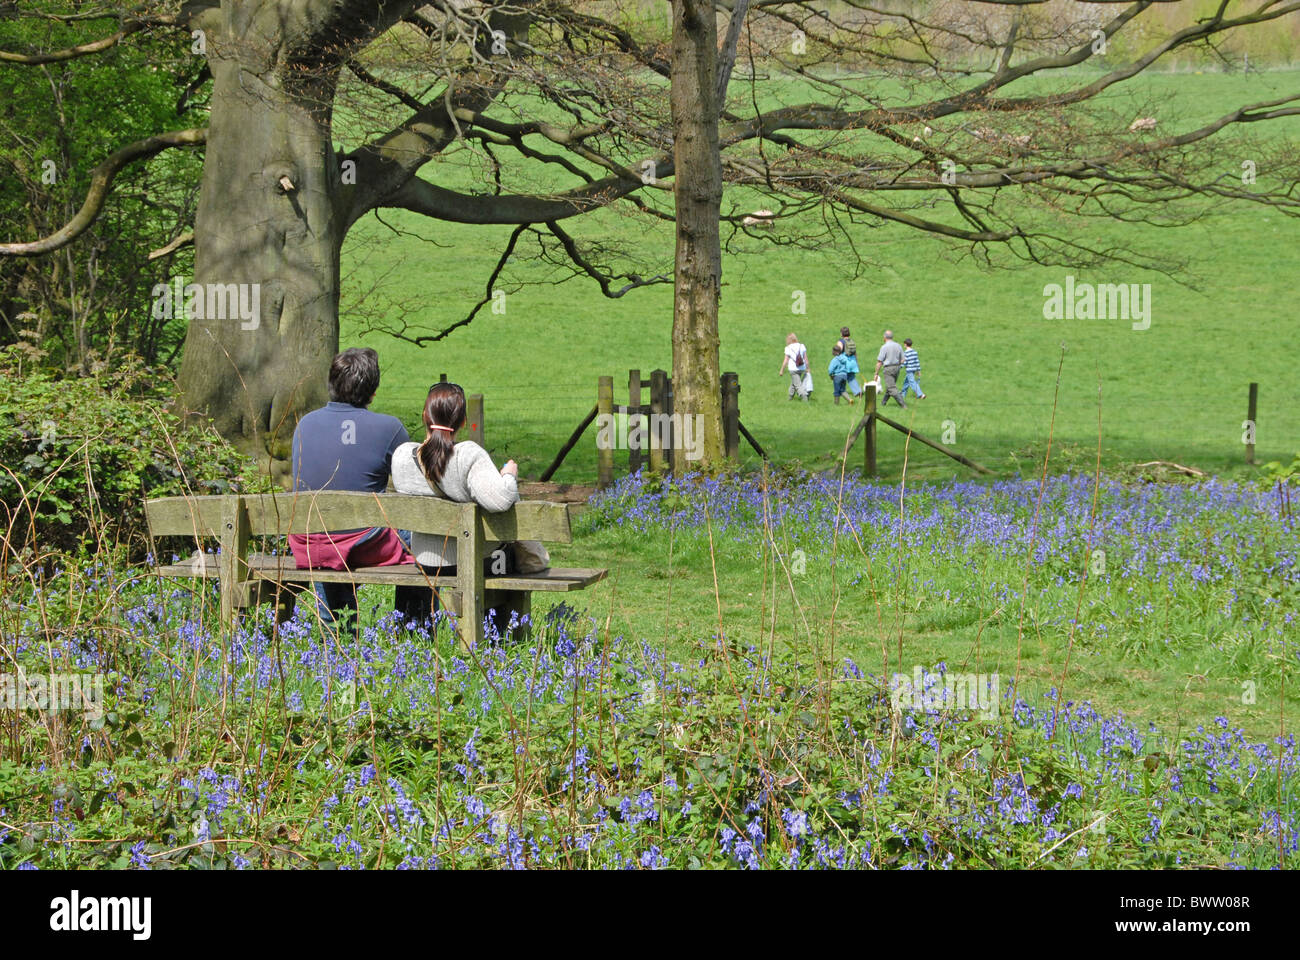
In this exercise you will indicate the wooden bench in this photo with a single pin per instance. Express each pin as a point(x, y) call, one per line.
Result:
point(249, 579)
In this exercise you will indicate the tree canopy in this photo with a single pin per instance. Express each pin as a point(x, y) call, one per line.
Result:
point(994, 126)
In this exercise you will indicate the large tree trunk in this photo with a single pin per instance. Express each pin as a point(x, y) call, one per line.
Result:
point(697, 189)
point(269, 215)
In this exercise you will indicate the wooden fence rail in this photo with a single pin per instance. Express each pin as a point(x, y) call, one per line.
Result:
point(867, 428)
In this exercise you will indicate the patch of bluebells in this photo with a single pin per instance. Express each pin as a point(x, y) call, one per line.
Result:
point(1205, 538)
point(616, 814)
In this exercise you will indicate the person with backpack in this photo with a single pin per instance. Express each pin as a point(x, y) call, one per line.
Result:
point(850, 350)
point(796, 358)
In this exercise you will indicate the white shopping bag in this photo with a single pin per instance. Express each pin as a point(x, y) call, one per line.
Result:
point(808, 382)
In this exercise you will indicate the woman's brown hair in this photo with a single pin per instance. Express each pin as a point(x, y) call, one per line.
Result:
point(444, 407)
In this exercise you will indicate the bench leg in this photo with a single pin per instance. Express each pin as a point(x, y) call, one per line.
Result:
point(286, 600)
point(447, 597)
point(283, 595)
point(414, 604)
point(508, 603)
point(502, 603)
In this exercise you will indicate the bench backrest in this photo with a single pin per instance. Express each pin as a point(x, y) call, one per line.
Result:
point(278, 514)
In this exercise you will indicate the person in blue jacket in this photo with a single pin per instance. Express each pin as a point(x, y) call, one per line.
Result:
point(851, 353)
point(839, 371)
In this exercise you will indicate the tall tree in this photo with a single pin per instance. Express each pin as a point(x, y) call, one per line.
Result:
point(697, 190)
point(963, 120)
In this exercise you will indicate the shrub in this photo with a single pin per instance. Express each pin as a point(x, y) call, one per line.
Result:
point(79, 456)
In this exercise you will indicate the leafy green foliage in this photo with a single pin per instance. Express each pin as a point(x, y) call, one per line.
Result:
point(83, 454)
point(1276, 472)
point(57, 123)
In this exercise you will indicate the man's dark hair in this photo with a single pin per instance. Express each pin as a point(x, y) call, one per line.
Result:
point(354, 376)
point(844, 331)
point(908, 341)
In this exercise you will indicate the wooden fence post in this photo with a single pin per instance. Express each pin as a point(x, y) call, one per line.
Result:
point(634, 455)
point(731, 416)
point(474, 418)
point(658, 408)
point(1250, 416)
point(869, 431)
point(604, 442)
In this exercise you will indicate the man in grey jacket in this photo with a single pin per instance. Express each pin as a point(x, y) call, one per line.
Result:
point(888, 362)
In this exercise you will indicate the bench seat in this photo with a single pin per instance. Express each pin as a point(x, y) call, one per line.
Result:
point(280, 568)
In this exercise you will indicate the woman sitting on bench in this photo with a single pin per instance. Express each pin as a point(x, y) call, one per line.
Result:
point(463, 472)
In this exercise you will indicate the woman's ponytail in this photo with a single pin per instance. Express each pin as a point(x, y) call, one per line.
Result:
point(444, 408)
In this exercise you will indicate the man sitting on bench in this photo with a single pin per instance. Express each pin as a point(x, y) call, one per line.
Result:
point(344, 446)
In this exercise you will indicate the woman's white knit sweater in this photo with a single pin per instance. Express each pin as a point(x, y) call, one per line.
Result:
point(469, 475)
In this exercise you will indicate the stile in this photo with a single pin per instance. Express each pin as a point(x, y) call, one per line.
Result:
point(667, 433)
point(658, 407)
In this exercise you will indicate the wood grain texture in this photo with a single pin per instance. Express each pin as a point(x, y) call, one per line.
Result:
point(319, 511)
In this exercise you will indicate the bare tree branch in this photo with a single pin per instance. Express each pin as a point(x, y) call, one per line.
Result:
point(101, 180)
point(72, 53)
point(186, 239)
point(420, 196)
point(603, 280)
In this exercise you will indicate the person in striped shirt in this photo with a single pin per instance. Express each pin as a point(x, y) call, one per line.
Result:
point(912, 364)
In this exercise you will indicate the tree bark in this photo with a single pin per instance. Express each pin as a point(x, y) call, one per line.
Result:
point(697, 190)
point(269, 215)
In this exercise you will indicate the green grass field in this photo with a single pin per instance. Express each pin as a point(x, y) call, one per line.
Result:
point(1175, 391)
point(1170, 650)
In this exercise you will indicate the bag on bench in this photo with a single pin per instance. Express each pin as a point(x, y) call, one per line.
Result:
point(531, 556)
